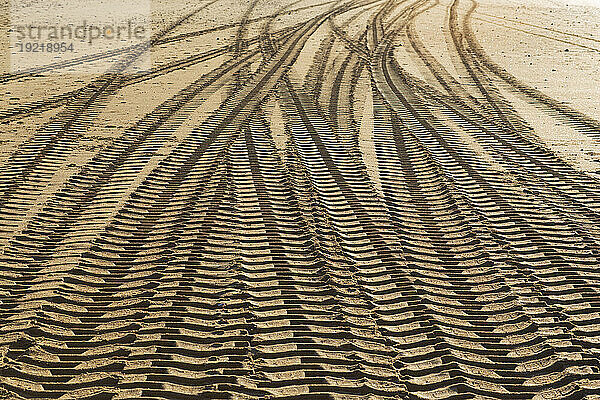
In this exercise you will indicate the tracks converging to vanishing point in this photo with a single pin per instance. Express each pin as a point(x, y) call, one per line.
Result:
point(295, 214)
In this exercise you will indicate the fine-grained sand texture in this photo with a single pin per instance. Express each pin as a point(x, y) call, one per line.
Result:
point(309, 199)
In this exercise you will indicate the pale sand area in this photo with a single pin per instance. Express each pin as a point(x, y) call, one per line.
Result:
point(551, 46)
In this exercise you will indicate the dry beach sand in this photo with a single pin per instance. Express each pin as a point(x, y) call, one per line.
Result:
point(308, 199)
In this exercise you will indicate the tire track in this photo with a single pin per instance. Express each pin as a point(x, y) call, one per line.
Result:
point(228, 255)
point(547, 167)
point(55, 139)
point(59, 100)
point(581, 121)
point(157, 42)
point(159, 389)
point(118, 162)
point(429, 135)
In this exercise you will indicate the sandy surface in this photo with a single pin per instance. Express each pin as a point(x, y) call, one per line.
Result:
point(308, 199)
